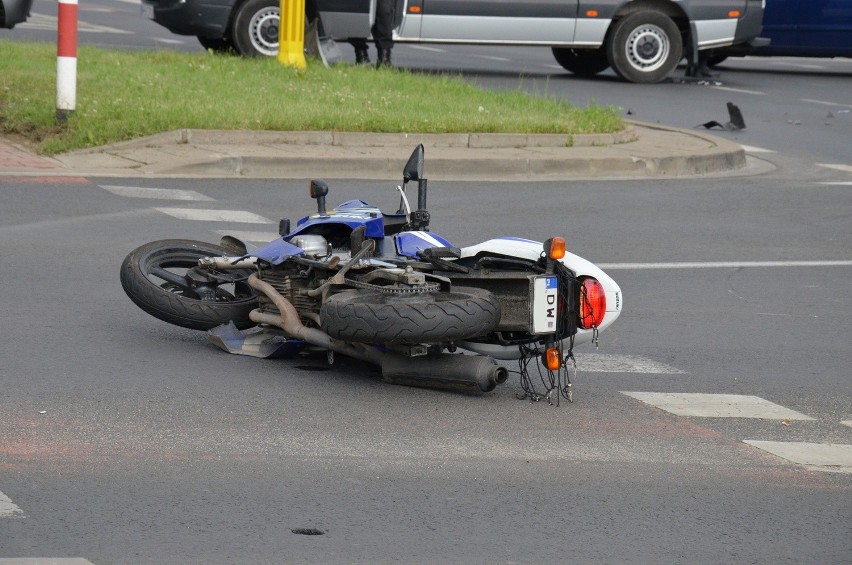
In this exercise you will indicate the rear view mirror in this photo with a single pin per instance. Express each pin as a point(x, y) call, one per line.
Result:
point(414, 168)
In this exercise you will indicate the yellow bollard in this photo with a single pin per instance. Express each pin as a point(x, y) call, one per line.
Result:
point(291, 34)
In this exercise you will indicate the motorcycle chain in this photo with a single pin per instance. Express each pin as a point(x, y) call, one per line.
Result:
point(408, 290)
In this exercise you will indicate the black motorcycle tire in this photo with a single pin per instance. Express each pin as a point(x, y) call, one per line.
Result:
point(367, 316)
point(175, 305)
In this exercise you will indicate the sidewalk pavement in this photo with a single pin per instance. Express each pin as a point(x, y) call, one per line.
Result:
point(640, 151)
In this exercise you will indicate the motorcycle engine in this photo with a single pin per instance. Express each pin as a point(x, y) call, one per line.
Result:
point(314, 245)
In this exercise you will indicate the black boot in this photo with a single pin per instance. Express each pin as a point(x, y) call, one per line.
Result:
point(362, 56)
point(384, 59)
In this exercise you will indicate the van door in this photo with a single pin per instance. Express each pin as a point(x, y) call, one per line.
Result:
point(546, 22)
point(342, 19)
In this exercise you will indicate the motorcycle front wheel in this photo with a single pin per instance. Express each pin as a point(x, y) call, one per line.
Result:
point(164, 280)
point(366, 316)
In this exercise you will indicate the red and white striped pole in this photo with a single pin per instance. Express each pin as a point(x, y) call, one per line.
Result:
point(66, 60)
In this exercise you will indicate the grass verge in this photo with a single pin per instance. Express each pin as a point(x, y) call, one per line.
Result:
point(124, 95)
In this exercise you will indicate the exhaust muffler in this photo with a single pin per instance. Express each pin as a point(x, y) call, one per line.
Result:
point(468, 373)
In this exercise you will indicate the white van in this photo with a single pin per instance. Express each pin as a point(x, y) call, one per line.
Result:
point(642, 40)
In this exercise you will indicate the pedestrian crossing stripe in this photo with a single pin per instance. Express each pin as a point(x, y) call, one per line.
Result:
point(836, 167)
point(830, 457)
point(49, 23)
point(251, 236)
point(156, 193)
point(199, 215)
point(717, 405)
point(605, 363)
point(7, 507)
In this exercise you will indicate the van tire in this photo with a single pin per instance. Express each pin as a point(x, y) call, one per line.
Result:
point(255, 28)
point(644, 47)
point(582, 62)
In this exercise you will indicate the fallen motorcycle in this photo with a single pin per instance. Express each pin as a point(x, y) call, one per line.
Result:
point(382, 288)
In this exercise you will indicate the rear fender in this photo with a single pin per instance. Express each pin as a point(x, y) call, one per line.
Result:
point(532, 250)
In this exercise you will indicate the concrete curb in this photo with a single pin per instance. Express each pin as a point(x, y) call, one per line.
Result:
point(640, 151)
point(359, 139)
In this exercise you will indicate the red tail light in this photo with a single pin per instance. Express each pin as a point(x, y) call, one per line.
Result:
point(592, 303)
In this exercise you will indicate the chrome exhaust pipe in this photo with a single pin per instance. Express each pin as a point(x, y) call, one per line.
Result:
point(289, 322)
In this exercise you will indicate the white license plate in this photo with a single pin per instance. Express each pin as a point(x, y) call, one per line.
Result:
point(545, 297)
point(148, 11)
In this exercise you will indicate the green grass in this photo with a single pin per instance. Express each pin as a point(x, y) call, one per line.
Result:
point(124, 95)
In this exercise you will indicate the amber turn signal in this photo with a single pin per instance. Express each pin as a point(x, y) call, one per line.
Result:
point(552, 360)
point(557, 248)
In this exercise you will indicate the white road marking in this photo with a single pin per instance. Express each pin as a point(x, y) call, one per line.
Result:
point(157, 193)
point(825, 102)
point(722, 265)
point(832, 457)
point(717, 405)
point(8, 508)
point(838, 183)
point(846, 423)
point(836, 167)
point(753, 149)
point(50, 23)
point(169, 41)
point(492, 58)
point(601, 363)
point(425, 48)
point(44, 561)
point(238, 216)
point(251, 236)
point(798, 65)
point(740, 90)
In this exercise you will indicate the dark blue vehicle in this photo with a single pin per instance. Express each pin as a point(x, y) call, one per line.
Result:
point(801, 28)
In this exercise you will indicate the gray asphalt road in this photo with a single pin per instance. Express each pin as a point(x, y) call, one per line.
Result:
point(125, 440)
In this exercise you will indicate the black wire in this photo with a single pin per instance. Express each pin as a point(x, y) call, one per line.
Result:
point(559, 380)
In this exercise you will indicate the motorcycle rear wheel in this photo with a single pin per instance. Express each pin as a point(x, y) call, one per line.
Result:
point(156, 278)
point(441, 317)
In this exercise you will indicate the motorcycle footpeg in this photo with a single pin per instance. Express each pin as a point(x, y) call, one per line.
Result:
point(435, 256)
point(439, 253)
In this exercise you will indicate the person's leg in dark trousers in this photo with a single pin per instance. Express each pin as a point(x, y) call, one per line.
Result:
point(382, 31)
point(362, 55)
